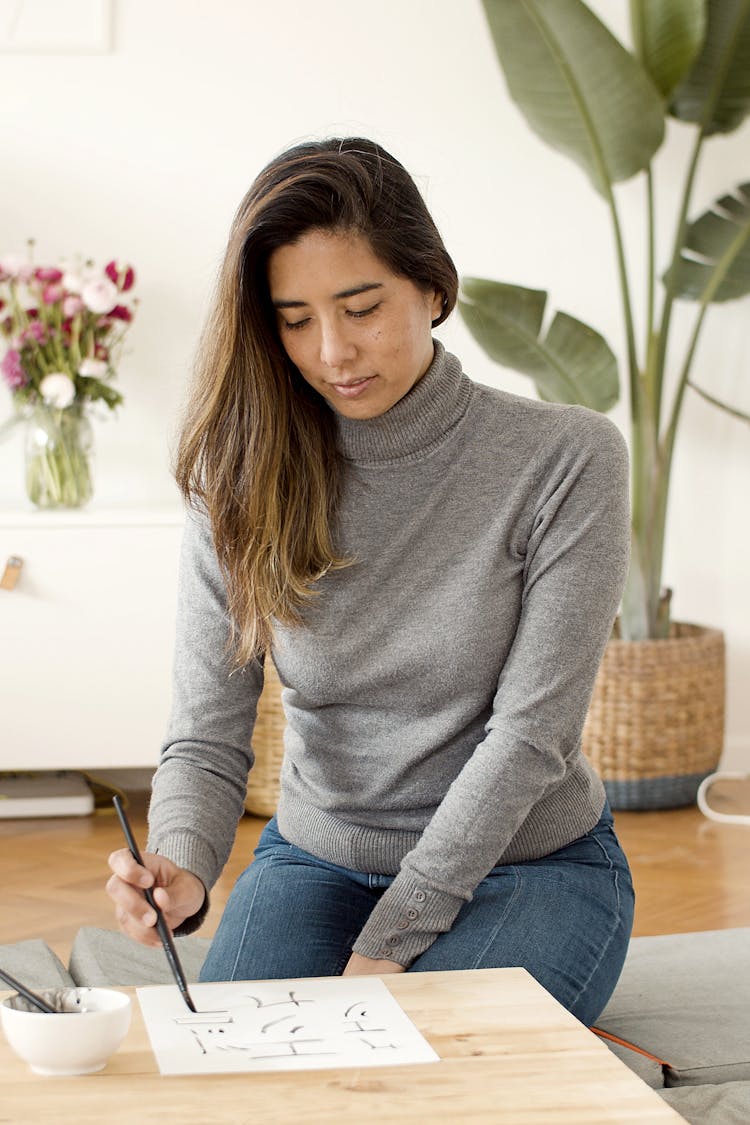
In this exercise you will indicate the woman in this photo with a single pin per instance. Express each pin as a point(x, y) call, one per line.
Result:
point(435, 566)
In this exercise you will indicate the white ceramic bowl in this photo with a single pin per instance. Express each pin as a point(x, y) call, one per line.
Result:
point(76, 1040)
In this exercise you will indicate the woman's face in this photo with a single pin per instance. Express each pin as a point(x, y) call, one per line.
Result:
point(357, 333)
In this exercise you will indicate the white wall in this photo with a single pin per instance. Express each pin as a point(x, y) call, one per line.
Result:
point(144, 153)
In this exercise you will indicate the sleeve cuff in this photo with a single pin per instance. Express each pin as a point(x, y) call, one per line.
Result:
point(407, 920)
point(190, 852)
point(195, 921)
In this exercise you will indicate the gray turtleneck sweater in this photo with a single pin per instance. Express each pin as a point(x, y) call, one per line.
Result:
point(436, 693)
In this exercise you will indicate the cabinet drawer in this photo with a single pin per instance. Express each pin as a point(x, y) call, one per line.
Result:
point(86, 640)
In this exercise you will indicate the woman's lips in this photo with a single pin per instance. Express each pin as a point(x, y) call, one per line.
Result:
point(352, 390)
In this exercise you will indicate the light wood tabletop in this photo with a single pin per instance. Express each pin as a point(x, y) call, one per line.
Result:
point(509, 1054)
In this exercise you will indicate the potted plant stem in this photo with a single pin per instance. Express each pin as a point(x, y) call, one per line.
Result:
point(655, 726)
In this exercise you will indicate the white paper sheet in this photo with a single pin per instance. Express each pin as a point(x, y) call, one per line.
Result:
point(280, 1025)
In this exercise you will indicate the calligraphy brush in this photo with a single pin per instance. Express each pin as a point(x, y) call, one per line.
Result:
point(32, 997)
point(161, 925)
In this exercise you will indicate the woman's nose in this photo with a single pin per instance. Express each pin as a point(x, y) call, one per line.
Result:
point(336, 348)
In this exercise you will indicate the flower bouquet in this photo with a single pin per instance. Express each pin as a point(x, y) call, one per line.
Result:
point(63, 327)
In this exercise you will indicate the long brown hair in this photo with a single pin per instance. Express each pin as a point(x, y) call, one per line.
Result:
point(257, 446)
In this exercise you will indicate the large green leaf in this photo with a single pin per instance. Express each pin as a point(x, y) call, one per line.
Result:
point(570, 363)
point(716, 92)
point(667, 35)
point(577, 87)
point(715, 262)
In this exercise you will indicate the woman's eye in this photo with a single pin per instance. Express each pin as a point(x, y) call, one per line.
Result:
point(358, 313)
point(292, 324)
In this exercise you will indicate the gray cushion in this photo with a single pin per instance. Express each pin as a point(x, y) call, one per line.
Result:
point(34, 964)
point(107, 957)
point(727, 1104)
point(686, 999)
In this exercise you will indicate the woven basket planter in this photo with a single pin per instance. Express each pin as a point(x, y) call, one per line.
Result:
point(655, 726)
point(268, 747)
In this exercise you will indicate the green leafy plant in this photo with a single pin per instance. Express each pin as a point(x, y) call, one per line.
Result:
point(587, 95)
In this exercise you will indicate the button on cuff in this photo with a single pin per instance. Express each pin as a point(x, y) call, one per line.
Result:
point(433, 913)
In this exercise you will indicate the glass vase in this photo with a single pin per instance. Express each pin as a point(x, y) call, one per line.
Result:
point(59, 448)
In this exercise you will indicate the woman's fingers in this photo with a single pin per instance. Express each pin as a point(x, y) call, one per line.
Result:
point(178, 894)
point(134, 915)
point(123, 865)
point(125, 886)
point(181, 897)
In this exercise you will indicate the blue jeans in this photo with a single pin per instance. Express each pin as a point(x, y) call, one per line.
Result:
point(565, 918)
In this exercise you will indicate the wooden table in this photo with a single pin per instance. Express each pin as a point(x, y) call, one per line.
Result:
point(509, 1054)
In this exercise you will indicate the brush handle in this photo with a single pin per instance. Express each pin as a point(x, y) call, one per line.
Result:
point(32, 997)
point(161, 925)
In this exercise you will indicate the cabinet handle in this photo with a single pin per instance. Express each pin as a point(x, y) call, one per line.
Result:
point(11, 573)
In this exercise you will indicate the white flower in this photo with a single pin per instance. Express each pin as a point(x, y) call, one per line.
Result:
point(99, 296)
point(16, 266)
point(58, 390)
point(72, 281)
point(95, 367)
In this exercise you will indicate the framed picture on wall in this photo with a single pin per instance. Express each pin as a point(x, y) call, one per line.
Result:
point(56, 26)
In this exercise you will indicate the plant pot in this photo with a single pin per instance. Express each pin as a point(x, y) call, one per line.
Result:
point(59, 446)
point(655, 726)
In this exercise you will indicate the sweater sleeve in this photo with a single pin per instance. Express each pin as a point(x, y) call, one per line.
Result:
point(575, 567)
point(199, 788)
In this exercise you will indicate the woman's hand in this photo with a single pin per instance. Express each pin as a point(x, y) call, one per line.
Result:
point(358, 966)
point(178, 893)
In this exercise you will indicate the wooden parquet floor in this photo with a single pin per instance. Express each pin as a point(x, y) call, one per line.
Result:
point(689, 873)
point(53, 871)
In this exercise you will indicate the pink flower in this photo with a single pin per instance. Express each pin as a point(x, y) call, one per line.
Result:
point(99, 296)
point(48, 273)
point(72, 305)
point(13, 373)
point(122, 276)
point(35, 331)
point(121, 312)
point(52, 294)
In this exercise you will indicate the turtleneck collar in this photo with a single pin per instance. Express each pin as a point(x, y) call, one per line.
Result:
point(416, 424)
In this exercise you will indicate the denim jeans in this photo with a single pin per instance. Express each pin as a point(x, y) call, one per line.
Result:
point(566, 918)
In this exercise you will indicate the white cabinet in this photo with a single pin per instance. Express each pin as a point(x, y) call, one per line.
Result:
point(86, 638)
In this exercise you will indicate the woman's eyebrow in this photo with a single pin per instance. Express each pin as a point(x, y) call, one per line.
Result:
point(364, 288)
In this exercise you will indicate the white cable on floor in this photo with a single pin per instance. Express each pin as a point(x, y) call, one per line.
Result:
point(724, 818)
